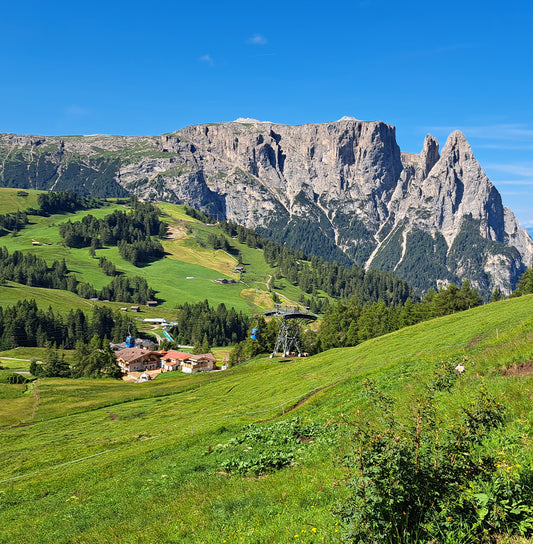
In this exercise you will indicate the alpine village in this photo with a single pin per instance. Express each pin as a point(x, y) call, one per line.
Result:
point(253, 332)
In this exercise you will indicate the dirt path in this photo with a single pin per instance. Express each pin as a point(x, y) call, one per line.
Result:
point(37, 399)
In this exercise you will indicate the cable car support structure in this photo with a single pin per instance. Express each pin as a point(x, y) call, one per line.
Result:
point(289, 318)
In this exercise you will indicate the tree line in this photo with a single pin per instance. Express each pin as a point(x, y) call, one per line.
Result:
point(200, 323)
point(64, 201)
point(314, 274)
point(13, 221)
point(92, 360)
point(24, 324)
point(348, 323)
point(48, 203)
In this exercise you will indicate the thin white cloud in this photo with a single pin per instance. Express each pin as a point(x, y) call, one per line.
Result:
point(207, 59)
point(522, 170)
point(76, 111)
point(499, 131)
point(257, 39)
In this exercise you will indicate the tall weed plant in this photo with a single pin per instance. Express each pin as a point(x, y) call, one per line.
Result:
point(429, 481)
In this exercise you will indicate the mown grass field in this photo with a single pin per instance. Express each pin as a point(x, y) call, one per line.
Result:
point(10, 201)
point(92, 461)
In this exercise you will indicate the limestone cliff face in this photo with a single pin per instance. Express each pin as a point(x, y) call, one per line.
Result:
point(341, 189)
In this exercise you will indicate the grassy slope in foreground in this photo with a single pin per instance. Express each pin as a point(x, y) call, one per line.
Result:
point(106, 461)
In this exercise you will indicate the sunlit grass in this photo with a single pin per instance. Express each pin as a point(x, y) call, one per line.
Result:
point(150, 443)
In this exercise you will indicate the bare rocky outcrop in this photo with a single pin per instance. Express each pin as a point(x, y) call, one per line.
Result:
point(341, 189)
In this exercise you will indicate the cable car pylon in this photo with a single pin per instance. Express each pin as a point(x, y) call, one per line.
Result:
point(289, 318)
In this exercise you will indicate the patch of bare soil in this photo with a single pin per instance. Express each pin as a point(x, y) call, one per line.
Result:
point(176, 232)
point(475, 341)
point(521, 369)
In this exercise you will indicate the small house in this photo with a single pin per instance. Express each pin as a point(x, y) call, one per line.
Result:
point(135, 308)
point(173, 360)
point(137, 360)
point(204, 362)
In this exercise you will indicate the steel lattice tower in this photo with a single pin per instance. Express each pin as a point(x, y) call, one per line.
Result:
point(289, 319)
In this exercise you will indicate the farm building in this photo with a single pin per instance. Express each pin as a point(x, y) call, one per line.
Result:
point(140, 360)
point(186, 362)
point(172, 360)
point(137, 360)
point(204, 362)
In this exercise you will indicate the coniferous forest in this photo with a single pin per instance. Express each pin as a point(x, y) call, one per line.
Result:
point(131, 231)
point(24, 324)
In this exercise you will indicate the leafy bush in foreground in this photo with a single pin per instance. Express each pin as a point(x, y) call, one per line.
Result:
point(420, 482)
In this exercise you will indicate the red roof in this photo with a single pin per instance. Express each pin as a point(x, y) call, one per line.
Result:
point(176, 355)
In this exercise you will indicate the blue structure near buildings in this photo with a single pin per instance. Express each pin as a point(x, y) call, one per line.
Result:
point(167, 336)
point(130, 339)
point(255, 334)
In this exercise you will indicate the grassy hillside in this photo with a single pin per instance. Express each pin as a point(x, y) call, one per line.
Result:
point(186, 274)
point(11, 201)
point(103, 461)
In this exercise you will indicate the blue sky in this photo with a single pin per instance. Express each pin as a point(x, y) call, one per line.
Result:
point(130, 68)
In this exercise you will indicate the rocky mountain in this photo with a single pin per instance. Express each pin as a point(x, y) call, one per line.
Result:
point(342, 190)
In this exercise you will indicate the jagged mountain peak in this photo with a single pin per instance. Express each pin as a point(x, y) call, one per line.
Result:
point(340, 189)
point(430, 154)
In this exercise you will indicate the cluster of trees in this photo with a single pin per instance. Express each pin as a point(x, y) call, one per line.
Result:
point(134, 289)
point(131, 232)
point(12, 222)
point(264, 343)
point(29, 269)
point(108, 268)
point(200, 323)
point(218, 242)
point(525, 285)
point(200, 216)
point(141, 251)
point(24, 324)
point(64, 201)
point(92, 360)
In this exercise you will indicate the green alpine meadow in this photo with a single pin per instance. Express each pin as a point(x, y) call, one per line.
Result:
point(407, 418)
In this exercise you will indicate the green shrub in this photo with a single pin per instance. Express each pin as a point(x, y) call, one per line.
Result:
point(12, 377)
point(265, 448)
point(425, 481)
